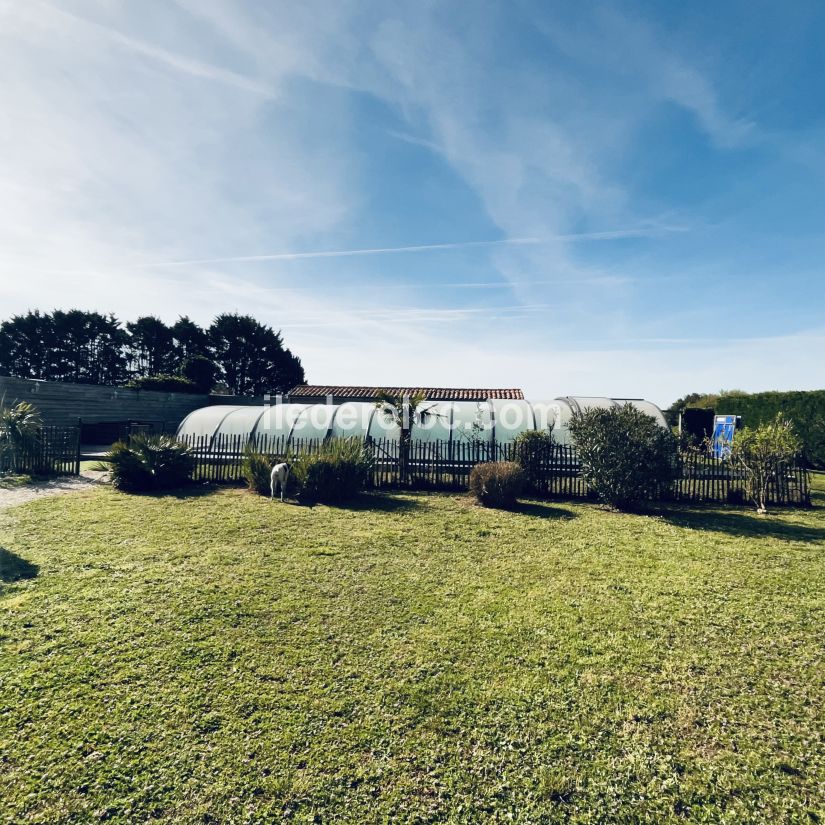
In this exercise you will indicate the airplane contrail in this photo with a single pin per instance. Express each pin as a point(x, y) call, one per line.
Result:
point(343, 253)
point(384, 250)
point(394, 250)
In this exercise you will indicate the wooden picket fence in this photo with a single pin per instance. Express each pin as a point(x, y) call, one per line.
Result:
point(706, 478)
point(55, 451)
point(446, 465)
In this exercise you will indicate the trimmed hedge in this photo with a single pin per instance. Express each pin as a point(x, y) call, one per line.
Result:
point(162, 383)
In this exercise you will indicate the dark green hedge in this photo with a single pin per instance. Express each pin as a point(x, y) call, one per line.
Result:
point(162, 383)
point(805, 409)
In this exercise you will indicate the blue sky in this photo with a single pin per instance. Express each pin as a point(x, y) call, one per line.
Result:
point(611, 199)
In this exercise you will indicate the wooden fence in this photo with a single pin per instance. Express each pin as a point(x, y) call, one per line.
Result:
point(705, 478)
point(55, 451)
point(553, 472)
point(61, 403)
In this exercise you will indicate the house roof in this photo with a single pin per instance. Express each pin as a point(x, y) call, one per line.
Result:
point(432, 393)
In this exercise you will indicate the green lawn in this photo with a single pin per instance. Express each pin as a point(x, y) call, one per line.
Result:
point(13, 482)
point(219, 658)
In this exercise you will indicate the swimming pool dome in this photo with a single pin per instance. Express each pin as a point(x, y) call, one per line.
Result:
point(495, 420)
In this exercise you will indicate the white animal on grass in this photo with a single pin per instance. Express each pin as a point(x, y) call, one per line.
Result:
point(278, 478)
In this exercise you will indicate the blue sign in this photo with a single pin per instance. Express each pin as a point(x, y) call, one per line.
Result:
point(724, 427)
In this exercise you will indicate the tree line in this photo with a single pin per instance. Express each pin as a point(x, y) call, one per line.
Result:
point(236, 354)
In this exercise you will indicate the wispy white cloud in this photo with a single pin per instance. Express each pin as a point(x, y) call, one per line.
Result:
point(178, 61)
point(650, 67)
point(157, 146)
point(117, 158)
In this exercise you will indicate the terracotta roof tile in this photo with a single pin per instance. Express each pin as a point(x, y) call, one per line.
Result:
point(432, 393)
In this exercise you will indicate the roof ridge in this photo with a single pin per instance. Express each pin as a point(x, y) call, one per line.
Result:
point(457, 393)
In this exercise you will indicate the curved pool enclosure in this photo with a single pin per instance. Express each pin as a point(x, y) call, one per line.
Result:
point(496, 421)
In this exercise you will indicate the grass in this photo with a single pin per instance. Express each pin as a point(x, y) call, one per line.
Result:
point(93, 464)
point(15, 481)
point(219, 658)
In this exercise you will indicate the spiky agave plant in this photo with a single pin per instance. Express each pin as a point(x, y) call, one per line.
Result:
point(19, 431)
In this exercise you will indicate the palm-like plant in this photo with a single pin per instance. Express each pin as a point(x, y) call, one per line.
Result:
point(403, 410)
point(19, 431)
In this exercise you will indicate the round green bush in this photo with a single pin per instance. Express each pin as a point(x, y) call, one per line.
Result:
point(626, 456)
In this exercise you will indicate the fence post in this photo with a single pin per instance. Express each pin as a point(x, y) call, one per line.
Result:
point(77, 448)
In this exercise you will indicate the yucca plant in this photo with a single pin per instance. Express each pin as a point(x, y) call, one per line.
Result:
point(150, 462)
point(19, 432)
point(257, 469)
point(336, 472)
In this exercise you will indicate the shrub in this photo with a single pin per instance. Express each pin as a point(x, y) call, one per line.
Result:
point(497, 483)
point(257, 469)
point(626, 456)
point(19, 432)
point(149, 462)
point(337, 472)
point(162, 383)
point(532, 449)
point(762, 454)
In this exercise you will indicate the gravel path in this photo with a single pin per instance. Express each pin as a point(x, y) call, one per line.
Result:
point(62, 485)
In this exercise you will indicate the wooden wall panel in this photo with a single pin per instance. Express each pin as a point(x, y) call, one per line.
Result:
point(62, 404)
